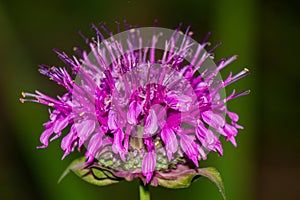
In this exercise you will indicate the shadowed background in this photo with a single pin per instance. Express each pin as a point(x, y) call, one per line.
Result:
point(265, 35)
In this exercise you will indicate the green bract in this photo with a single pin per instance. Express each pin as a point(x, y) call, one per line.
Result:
point(174, 178)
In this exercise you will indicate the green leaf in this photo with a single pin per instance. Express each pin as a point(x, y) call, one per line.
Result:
point(213, 175)
point(181, 181)
point(94, 173)
point(183, 178)
point(73, 164)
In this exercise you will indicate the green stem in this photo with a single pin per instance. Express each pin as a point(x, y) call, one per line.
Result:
point(144, 191)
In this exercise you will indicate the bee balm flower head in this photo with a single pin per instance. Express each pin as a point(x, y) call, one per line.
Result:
point(143, 101)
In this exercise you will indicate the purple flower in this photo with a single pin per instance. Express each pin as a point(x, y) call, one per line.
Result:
point(127, 104)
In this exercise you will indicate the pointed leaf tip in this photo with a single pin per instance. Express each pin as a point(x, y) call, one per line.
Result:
point(213, 175)
point(184, 178)
point(77, 163)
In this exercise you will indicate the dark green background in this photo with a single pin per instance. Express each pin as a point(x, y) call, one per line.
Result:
point(265, 35)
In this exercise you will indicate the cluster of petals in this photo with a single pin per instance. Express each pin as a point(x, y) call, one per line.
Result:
point(98, 122)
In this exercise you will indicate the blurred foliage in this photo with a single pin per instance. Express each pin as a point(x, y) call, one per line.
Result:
point(265, 35)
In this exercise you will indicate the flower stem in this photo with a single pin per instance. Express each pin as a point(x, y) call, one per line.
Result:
point(144, 191)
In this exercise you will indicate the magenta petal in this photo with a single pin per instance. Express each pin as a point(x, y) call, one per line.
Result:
point(133, 112)
point(94, 144)
point(112, 120)
point(60, 124)
point(232, 140)
point(237, 126)
point(118, 140)
point(174, 118)
point(148, 165)
point(149, 143)
point(151, 123)
point(219, 147)
point(53, 115)
point(233, 116)
point(44, 139)
point(230, 130)
point(67, 141)
point(84, 129)
point(184, 103)
point(190, 148)
point(212, 142)
point(208, 138)
point(213, 119)
point(169, 138)
point(202, 153)
point(178, 102)
point(201, 130)
point(161, 114)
